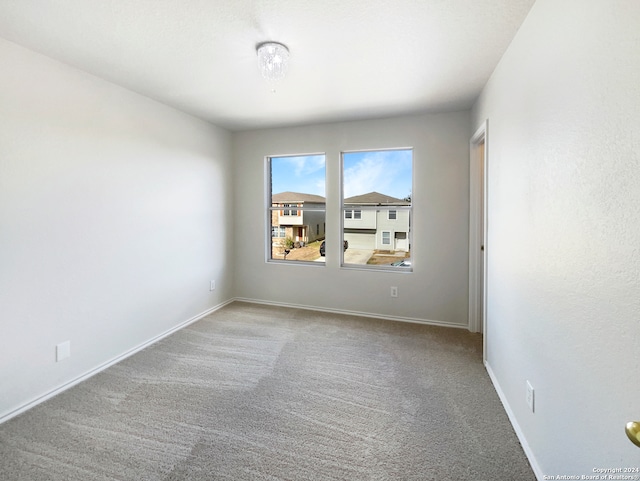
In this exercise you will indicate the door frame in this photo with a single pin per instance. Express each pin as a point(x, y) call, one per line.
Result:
point(478, 228)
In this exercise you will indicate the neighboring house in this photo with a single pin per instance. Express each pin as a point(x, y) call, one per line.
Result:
point(290, 221)
point(368, 228)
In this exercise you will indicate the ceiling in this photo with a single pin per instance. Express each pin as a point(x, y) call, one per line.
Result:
point(350, 59)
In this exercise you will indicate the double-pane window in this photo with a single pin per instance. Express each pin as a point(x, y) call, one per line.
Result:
point(296, 208)
point(353, 214)
point(377, 208)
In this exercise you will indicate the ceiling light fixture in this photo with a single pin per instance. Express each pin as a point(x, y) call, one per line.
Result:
point(273, 60)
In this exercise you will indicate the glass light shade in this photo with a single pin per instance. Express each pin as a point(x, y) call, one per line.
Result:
point(273, 60)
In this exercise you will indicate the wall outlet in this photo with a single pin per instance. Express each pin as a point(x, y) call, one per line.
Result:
point(63, 351)
point(212, 286)
point(530, 396)
point(394, 291)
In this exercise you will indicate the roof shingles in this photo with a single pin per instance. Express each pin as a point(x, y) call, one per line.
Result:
point(375, 198)
point(297, 197)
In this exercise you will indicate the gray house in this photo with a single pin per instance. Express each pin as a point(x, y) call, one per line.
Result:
point(367, 225)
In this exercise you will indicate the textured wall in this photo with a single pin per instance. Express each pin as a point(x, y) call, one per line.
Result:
point(437, 290)
point(114, 216)
point(564, 230)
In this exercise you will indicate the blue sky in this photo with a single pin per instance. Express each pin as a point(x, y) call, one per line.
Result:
point(303, 174)
point(387, 172)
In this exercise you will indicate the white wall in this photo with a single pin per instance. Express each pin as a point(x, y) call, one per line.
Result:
point(115, 213)
point(564, 231)
point(437, 290)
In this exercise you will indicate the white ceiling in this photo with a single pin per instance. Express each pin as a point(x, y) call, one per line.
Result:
point(350, 59)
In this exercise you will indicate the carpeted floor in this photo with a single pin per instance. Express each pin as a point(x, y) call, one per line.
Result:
point(255, 392)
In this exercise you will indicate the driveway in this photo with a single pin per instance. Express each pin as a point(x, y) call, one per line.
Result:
point(357, 256)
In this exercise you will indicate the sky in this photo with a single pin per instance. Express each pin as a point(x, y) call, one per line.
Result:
point(387, 172)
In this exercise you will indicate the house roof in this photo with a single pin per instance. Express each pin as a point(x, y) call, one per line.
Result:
point(375, 198)
point(297, 197)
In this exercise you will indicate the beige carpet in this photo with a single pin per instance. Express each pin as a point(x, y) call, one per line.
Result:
point(263, 393)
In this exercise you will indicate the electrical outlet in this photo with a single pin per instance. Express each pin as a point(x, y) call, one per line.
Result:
point(530, 396)
point(212, 286)
point(394, 291)
point(63, 351)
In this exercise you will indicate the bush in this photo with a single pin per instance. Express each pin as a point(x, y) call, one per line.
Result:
point(288, 243)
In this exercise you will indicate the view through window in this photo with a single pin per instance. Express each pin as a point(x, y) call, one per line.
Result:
point(377, 208)
point(296, 208)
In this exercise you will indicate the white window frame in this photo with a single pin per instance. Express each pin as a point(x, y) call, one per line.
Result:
point(281, 231)
point(299, 211)
point(353, 214)
point(289, 211)
point(395, 214)
point(397, 208)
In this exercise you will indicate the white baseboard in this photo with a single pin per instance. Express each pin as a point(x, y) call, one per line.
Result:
point(354, 313)
point(512, 418)
point(34, 402)
point(67, 385)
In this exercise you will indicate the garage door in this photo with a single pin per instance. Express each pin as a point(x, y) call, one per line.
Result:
point(361, 240)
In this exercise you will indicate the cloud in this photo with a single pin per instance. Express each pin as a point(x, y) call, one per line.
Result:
point(299, 174)
point(387, 172)
point(306, 165)
point(364, 176)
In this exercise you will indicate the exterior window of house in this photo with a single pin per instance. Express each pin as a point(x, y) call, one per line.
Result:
point(377, 208)
point(290, 212)
point(353, 214)
point(278, 231)
point(295, 204)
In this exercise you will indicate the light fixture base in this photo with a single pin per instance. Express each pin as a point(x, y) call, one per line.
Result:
point(273, 60)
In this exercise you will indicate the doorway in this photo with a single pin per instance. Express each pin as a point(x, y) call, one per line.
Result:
point(478, 222)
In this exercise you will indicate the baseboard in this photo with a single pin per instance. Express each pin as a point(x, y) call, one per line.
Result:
point(40, 399)
point(354, 313)
point(512, 418)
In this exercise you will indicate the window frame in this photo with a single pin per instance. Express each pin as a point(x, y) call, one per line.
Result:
point(397, 208)
point(299, 210)
point(282, 231)
point(354, 214)
point(288, 209)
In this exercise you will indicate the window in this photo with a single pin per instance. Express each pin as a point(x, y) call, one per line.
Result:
point(278, 231)
point(290, 212)
point(295, 205)
point(353, 214)
point(377, 208)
